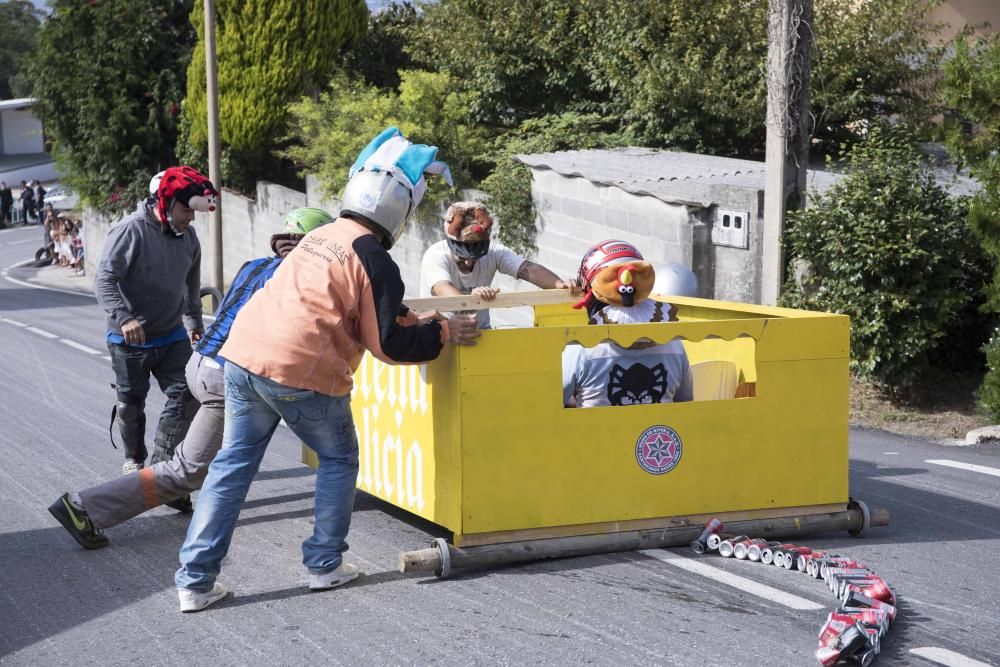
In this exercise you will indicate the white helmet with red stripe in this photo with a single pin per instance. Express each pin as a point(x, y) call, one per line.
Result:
point(606, 253)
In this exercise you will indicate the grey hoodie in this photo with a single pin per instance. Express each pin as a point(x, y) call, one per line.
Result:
point(150, 276)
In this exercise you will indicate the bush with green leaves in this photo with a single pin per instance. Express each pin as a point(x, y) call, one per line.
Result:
point(331, 131)
point(509, 185)
point(888, 246)
point(19, 23)
point(971, 88)
point(685, 74)
point(270, 53)
point(109, 78)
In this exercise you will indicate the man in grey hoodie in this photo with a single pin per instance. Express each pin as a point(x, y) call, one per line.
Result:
point(148, 282)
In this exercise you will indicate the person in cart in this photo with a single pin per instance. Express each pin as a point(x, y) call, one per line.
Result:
point(467, 260)
point(616, 285)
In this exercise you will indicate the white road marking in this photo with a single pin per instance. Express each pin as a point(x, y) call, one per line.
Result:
point(14, 322)
point(78, 346)
point(106, 357)
point(986, 470)
point(730, 579)
point(24, 283)
point(19, 242)
point(890, 453)
point(943, 656)
point(42, 332)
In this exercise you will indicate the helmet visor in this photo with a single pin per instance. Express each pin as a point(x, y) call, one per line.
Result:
point(474, 250)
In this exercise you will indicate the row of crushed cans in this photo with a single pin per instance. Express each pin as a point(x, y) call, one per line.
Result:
point(853, 632)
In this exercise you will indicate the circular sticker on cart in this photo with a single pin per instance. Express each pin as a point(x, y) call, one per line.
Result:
point(658, 450)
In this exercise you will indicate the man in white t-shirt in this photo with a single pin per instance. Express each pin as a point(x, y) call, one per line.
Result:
point(467, 261)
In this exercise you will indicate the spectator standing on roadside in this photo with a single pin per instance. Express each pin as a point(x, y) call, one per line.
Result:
point(40, 193)
point(149, 283)
point(6, 204)
point(49, 223)
point(27, 199)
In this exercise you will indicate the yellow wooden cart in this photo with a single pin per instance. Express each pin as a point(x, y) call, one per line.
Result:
point(479, 441)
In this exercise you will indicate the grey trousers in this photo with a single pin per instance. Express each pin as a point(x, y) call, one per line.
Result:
point(127, 496)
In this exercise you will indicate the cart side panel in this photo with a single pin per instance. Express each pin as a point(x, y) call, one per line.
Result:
point(530, 463)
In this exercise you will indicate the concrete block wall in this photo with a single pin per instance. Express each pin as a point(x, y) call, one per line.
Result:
point(574, 214)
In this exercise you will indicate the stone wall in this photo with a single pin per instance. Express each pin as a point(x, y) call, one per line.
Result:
point(574, 213)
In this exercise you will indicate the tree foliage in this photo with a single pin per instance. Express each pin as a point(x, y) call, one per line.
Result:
point(428, 108)
point(509, 185)
point(380, 55)
point(681, 73)
point(889, 247)
point(270, 53)
point(19, 22)
point(109, 78)
point(971, 92)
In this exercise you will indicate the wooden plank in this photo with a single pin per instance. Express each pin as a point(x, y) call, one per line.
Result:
point(503, 300)
point(490, 555)
point(607, 528)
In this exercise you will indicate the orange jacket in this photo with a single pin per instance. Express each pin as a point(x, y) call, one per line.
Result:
point(336, 295)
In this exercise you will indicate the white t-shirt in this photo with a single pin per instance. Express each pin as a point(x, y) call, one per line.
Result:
point(438, 266)
point(608, 374)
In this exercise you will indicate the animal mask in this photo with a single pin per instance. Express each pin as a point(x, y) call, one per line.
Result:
point(187, 186)
point(468, 222)
point(623, 284)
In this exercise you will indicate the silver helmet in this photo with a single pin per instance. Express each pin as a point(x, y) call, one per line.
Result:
point(383, 198)
point(675, 279)
point(387, 182)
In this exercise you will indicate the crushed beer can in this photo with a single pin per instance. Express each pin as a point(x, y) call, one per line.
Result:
point(802, 562)
point(741, 549)
point(865, 615)
point(875, 588)
point(714, 540)
point(855, 599)
point(700, 545)
point(726, 546)
point(833, 573)
point(754, 550)
point(812, 567)
point(841, 640)
point(767, 553)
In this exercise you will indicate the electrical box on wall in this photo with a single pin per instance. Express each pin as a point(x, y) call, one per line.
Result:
point(731, 228)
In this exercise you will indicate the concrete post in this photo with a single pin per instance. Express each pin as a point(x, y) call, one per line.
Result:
point(214, 152)
point(790, 40)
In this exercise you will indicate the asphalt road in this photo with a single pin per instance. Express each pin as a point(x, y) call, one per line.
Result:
point(60, 604)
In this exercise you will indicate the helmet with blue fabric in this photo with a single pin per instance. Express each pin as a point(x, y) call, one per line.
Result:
point(387, 182)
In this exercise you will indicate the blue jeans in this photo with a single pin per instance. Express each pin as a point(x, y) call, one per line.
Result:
point(254, 406)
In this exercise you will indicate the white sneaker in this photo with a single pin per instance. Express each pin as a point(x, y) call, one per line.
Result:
point(195, 601)
point(323, 582)
point(130, 466)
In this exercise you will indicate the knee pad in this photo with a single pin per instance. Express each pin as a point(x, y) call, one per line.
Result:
point(129, 412)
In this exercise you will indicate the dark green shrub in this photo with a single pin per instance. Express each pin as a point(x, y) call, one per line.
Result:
point(988, 393)
point(888, 246)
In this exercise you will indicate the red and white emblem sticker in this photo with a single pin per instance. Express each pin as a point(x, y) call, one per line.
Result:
point(658, 449)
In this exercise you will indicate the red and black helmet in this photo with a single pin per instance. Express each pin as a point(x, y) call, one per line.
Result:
point(603, 254)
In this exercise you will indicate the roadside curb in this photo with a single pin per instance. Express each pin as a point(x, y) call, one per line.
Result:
point(24, 274)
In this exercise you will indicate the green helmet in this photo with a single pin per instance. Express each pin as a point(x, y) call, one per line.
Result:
point(298, 223)
point(304, 220)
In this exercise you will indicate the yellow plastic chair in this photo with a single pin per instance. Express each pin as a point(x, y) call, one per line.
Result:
point(714, 380)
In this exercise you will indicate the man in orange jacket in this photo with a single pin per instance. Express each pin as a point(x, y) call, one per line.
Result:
point(291, 355)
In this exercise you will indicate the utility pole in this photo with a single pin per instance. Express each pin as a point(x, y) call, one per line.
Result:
point(214, 154)
point(790, 38)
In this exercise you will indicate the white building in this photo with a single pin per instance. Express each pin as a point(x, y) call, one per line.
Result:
point(22, 144)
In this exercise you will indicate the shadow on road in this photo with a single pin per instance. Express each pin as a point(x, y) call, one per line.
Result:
point(14, 299)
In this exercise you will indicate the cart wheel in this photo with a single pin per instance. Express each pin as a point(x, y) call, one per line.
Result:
point(445, 550)
point(866, 517)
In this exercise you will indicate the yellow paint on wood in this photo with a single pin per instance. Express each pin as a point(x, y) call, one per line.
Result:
point(478, 441)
